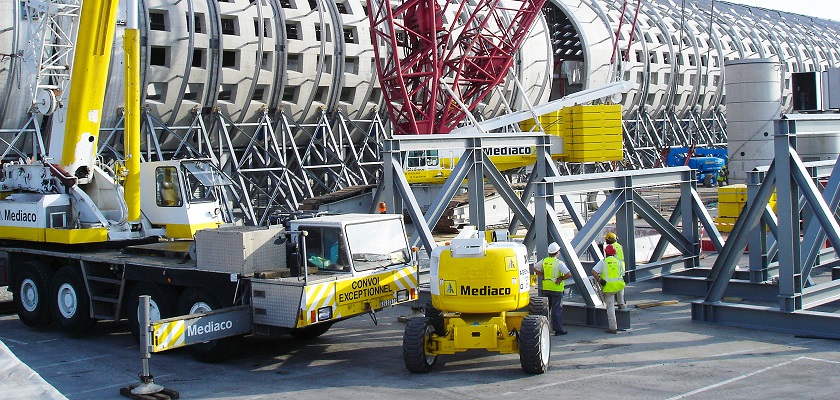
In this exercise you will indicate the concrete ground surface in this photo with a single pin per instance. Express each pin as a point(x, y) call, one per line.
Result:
point(664, 356)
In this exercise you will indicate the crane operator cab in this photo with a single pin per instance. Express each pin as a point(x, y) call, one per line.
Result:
point(354, 243)
point(327, 249)
point(188, 196)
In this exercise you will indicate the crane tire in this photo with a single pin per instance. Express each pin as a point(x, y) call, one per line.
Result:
point(196, 300)
point(311, 331)
point(71, 302)
point(32, 294)
point(534, 344)
point(163, 304)
point(417, 333)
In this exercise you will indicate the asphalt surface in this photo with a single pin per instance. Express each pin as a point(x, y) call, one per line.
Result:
point(664, 356)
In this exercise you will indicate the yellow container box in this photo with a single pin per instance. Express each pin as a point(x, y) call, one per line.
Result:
point(730, 209)
point(732, 194)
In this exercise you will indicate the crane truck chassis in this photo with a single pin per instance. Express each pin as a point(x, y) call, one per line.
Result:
point(477, 288)
point(80, 239)
point(298, 277)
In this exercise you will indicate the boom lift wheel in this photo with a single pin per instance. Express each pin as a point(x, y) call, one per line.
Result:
point(708, 180)
point(162, 304)
point(195, 300)
point(539, 306)
point(435, 317)
point(71, 302)
point(418, 331)
point(534, 344)
point(31, 295)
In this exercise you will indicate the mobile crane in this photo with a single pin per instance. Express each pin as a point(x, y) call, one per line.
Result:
point(81, 241)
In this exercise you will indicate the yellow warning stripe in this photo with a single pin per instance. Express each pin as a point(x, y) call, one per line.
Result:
point(323, 294)
point(317, 296)
point(405, 278)
point(168, 335)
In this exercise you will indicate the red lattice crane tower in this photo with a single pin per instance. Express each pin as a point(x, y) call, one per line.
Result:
point(417, 51)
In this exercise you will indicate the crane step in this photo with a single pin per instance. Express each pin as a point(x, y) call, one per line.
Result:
point(104, 280)
point(105, 299)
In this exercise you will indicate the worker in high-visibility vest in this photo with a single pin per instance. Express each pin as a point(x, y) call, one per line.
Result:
point(554, 274)
point(611, 239)
point(610, 273)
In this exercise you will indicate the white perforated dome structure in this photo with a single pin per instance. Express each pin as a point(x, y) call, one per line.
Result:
point(243, 57)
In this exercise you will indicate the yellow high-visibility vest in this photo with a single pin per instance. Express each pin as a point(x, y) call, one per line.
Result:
point(613, 274)
point(548, 271)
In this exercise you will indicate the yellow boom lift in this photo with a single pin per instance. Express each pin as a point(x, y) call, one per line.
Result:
point(476, 289)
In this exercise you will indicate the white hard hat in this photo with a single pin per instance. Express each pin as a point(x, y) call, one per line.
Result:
point(553, 248)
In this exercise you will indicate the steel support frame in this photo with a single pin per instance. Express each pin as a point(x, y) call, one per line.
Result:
point(275, 163)
point(622, 203)
point(797, 253)
point(29, 136)
point(472, 165)
point(647, 139)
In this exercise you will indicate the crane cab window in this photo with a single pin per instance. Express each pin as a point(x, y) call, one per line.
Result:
point(422, 158)
point(326, 249)
point(202, 181)
point(168, 187)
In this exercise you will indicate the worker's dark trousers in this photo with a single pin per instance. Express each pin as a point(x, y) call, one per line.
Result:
point(555, 301)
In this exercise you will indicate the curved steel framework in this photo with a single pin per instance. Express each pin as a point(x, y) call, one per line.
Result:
point(676, 60)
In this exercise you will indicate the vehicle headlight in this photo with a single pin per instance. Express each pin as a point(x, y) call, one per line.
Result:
point(324, 313)
point(402, 295)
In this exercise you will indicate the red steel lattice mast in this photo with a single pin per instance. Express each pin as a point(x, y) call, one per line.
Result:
point(416, 53)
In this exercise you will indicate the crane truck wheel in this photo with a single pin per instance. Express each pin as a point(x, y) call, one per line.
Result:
point(71, 302)
point(162, 304)
point(195, 300)
point(31, 295)
point(417, 333)
point(311, 331)
point(538, 306)
point(534, 344)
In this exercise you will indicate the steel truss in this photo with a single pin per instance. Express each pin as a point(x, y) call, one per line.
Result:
point(647, 140)
point(52, 27)
point(799, 198)
point(275, 163)
point(26, 143)
point(545, 186)
point(473, 165)
point(680, 229)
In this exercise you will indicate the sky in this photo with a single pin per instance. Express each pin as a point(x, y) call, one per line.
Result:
point(829, 9)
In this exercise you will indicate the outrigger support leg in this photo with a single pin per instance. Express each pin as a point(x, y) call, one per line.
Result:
point(147, 389)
